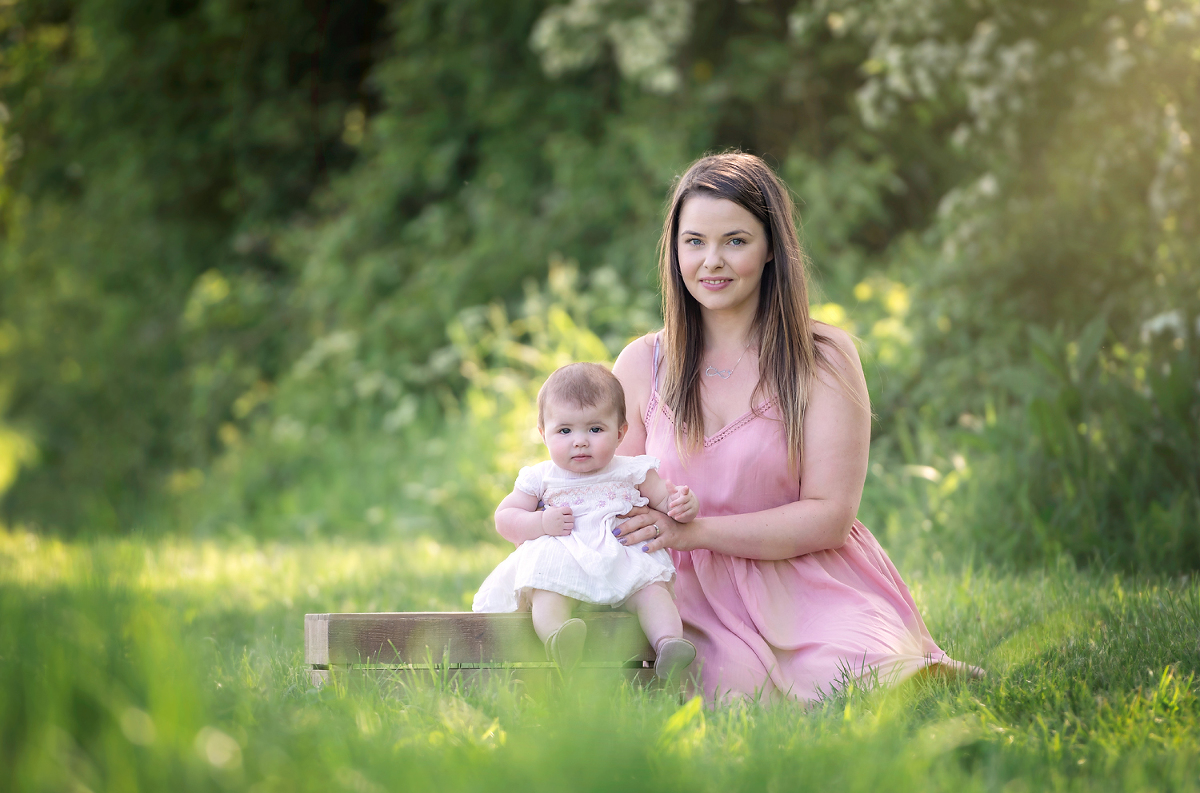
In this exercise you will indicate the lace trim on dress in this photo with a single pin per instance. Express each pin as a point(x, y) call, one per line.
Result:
point(724, 432)
point(739, 423)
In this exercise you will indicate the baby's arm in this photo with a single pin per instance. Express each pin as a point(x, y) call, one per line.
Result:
point(678, 502)
point(518, 518)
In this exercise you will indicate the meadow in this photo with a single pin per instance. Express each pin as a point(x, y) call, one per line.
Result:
point(142, 664)
point(279, 282)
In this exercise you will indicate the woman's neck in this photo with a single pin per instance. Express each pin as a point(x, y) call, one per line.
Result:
point(724, 331)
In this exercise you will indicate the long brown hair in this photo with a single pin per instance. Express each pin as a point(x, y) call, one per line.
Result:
point(788, 345)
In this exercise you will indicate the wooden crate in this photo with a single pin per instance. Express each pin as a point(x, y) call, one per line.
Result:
point(467, 646)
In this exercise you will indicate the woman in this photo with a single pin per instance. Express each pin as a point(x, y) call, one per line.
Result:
point(765, 413)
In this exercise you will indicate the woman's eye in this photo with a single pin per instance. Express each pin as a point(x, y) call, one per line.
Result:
point(737, 242)
point(693, 242)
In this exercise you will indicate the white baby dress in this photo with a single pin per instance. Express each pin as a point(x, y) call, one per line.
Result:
point(589, 564)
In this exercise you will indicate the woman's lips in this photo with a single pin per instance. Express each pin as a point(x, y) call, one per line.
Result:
point(715, 284)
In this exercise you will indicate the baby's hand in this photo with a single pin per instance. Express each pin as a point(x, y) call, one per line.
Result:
point(558, 521)
point(683, 505)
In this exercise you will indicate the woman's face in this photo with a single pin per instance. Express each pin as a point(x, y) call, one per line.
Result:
point(722, 251)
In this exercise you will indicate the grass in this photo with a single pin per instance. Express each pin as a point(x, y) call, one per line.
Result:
point(150, 665)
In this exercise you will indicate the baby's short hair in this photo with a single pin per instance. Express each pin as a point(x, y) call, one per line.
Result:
point(584, 385)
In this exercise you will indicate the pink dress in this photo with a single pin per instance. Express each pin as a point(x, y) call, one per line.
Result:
point(797, 627)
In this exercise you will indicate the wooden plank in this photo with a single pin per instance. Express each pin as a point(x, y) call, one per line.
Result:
point(540, 678)
point(316, 639)
point(416, 638)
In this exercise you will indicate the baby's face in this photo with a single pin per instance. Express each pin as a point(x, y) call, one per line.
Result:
point(582, 439)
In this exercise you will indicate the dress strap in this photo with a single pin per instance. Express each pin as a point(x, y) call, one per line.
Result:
point(656, 338)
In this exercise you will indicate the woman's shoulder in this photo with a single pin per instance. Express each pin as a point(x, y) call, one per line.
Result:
point(840, 343)
point(842, 369)
point(834, 335)
point(634, 367)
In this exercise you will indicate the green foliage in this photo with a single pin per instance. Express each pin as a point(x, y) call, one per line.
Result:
point(1078, 120)
point(244, 295)
point(328, 465)
point(1094, 457)
point(1110, 474)
point(464, 164)
point(146, 147)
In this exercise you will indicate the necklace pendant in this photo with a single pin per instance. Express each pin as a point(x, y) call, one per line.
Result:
point(725, 373)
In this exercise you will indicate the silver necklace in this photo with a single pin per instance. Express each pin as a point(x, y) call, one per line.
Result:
point(725, 374)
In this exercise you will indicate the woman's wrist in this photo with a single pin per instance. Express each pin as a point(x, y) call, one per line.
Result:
point(692, 535)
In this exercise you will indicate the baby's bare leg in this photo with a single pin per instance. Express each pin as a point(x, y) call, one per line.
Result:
point(655, 609)
point(564, 637)
point(660, 621)
point(550, 611)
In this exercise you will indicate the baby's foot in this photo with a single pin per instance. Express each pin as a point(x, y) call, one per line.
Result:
point(565, 645)
point(672, 656)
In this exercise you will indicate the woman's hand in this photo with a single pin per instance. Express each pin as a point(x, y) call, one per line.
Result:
point(653, 531)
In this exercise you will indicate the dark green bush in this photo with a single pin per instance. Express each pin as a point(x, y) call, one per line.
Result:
point(1113, 474)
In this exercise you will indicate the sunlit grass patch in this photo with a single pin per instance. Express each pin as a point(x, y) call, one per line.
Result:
point(417, 574)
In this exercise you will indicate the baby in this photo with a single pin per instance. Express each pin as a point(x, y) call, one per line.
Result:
point(567, 552)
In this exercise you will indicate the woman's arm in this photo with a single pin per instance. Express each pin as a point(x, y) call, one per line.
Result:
point(837, 436)
point(633, 368)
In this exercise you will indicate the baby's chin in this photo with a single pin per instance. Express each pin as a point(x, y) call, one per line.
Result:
point(587, 465)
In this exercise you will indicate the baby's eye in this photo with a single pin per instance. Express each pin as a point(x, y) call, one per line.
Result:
point(565, 431)
point(597, 429)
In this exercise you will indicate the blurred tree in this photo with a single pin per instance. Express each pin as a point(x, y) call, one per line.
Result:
point(148, 144)
point(1077, 119)
point(511, 134)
